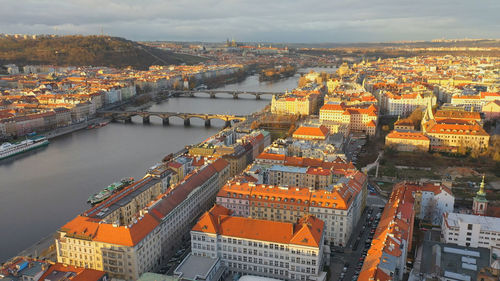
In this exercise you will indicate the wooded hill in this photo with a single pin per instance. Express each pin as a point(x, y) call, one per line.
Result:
point(87, 50)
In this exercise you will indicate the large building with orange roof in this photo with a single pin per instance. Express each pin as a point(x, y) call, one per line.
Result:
point(133, 231)
point(339, 205)
point(407, 141)
point(356, 118)
point(261, 247)
point(475, 102)
point(453, 134)
point(312, 133)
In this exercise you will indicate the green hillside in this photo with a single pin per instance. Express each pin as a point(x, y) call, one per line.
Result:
point(87, 50)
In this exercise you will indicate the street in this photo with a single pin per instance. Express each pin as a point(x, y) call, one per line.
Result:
point(353, 254)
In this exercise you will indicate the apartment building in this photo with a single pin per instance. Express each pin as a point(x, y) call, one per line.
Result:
point(386, 257)
point(471, 230)
point(29, 269)
point(475, 102)
point(432, 200)
point(137, 243)
point(311, 133)
point(356, 118)
point(453, 134)
point(261, 247)
point(407, 141)
point(339, 206)
point(295, 105)
point(405, 103)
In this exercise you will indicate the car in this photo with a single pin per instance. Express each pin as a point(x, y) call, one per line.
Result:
point(344, 269)
point(346, 264)
point(361, 259)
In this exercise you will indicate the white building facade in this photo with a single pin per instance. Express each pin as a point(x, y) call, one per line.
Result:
point(471, 230)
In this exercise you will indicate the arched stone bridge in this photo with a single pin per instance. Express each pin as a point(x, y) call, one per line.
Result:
point(213, 93)
point(126, 116)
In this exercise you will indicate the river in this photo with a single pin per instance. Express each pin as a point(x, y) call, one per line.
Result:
point(43, 189)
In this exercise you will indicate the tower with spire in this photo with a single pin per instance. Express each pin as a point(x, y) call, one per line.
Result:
point(480, 204)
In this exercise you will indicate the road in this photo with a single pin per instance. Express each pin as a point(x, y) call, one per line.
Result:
point(354, 250)
point(352, 148)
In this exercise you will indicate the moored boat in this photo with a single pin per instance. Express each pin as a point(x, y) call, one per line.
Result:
point(8, 149)
point(109, 190)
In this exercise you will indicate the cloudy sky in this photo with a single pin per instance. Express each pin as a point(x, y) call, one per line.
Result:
point(309, 21)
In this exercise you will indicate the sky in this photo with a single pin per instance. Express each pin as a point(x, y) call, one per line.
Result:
point(294, 21)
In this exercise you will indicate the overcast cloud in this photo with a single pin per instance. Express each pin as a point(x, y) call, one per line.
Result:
point(256, 20)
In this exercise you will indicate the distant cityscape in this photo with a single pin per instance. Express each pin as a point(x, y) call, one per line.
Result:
point(370, 168)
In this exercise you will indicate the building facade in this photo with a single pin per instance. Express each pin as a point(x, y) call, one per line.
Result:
point(125, 251)
point(261, 247)
point(471, 230)
point(340, 207)
point(357, 119)
point(407, 141)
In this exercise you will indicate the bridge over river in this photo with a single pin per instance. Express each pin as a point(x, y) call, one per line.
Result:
point(213, 93)
point(126, 116)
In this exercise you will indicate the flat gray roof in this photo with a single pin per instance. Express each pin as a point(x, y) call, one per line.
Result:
point(453, 259)
point(193, 266)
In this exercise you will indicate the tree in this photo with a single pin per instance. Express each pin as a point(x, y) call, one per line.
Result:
point(254, 125)
point(416, 116)
point(302, 81)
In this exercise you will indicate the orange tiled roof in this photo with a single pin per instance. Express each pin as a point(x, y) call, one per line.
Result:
point(455, 127)
point(407, 135)
point(89, 228)
point(307, 232)
point(82, 274)
point(455, 114)
point(320, 131)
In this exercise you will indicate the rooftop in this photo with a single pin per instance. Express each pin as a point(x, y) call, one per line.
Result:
point(487, 223)
point(457, 262)
point(195, 267)
point(307, 232)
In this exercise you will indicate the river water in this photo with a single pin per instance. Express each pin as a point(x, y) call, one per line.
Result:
point(43, 189)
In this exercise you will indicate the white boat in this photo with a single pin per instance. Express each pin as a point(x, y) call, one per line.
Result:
point(10, 149)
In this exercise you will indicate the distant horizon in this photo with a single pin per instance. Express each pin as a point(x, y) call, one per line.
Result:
point(291, 21)
point(435, 40)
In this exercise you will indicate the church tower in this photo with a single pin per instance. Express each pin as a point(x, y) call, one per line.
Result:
point(480, 204)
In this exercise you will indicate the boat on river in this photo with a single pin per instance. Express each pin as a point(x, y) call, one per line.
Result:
point(8, 149)
point(109, 190)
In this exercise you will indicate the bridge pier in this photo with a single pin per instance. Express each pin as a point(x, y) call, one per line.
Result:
point(207, 123)
point(235, 95)
point(257, 97)
point(212, 95)
point(187, 122)
point(227, 124)
point(166, 121)
point(145, 119)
